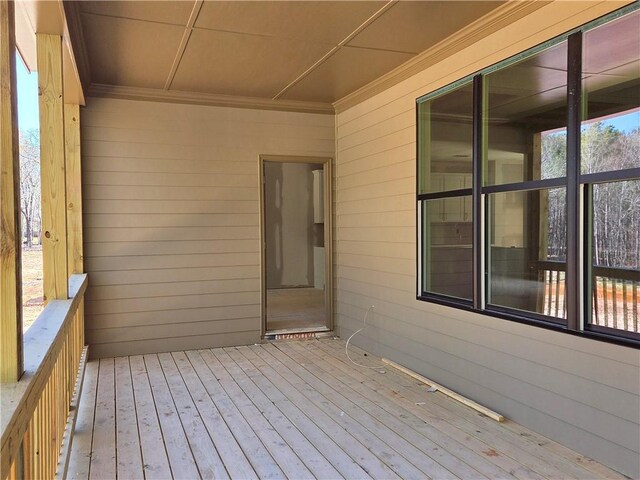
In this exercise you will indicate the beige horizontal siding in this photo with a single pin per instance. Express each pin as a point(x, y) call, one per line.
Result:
point(171, 204)
point(125, 219)
point(580, 392)
point(177, 342)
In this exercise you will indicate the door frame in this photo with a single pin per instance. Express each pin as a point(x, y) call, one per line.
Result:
point(327, 163)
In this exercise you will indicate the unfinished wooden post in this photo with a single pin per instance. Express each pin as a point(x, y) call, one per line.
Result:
point(10, 235)
point(74, 188)
point(52, 167)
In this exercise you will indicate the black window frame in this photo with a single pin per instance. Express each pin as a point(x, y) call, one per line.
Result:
point(578, 187)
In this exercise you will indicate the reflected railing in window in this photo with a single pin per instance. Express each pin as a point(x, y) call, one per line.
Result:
point(616, 298)
point(616, 295)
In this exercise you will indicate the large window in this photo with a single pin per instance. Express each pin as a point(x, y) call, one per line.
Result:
point(528, 191)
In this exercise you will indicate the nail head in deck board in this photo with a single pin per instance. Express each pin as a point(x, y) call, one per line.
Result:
point(52, 166)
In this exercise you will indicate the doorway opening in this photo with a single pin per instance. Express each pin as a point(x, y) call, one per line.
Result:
point(296, 244)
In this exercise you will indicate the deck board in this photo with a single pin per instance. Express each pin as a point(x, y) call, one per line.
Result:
point(294, 409)
point(128, 450)
point(103, 447)
point(154, 451)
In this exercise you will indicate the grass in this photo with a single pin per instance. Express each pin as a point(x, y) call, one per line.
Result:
point(32, 296)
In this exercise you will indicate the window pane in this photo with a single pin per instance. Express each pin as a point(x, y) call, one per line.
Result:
point(446, 247)
point(446, 138)
point(527, 251)
point(611, 88)
point(616, 255)
point(525, 114)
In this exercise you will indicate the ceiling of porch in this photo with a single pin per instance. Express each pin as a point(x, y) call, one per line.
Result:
point(308, 51)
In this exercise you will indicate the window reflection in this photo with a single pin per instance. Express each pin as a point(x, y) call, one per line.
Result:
point(527, 251)
point(611, 91)
point(616, 255)
point(446, 139)
point(525, 118)
point(447, 247)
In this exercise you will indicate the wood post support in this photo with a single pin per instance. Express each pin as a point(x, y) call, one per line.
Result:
point(74, 189)
point(52, 167)
point(11, 361)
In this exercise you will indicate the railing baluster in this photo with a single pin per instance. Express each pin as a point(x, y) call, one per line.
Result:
point(550, 294)
point(635, 288)
point(557, 299)
point(595, 318)
point(605, 301)
point(625, 309)
point(614, 298)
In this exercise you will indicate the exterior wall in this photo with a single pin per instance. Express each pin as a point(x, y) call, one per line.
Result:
point(171, 205)
point(582, 393)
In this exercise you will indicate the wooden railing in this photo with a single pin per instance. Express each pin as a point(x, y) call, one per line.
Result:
point(35, 410)
point(616, 296)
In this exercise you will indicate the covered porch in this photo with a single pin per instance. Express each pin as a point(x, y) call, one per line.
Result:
point(152, 357)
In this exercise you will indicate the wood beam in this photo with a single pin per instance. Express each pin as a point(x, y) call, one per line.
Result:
point(52, 167)
point(10, 263)
point(74, 188)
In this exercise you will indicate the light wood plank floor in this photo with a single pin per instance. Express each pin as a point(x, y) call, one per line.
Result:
point(289, 308)
point(293, 409)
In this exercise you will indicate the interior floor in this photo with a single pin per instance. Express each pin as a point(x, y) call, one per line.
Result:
point(293, 308)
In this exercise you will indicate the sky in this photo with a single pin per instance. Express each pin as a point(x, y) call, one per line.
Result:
point(625, 123)
point(27, 97)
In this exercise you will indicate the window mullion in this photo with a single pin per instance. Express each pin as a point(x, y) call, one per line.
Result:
point(574, 118)
point(478, 207)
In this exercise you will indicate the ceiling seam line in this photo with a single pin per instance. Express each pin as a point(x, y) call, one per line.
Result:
point(335, 49)
point(133, 19)
point(197, 6)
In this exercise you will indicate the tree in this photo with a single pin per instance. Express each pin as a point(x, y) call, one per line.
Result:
point(30, 184)
point(616, 205)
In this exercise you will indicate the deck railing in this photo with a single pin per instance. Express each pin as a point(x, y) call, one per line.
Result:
point(616, 296)
point(35, 410)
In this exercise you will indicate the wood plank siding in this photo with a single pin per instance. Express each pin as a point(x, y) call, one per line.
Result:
point(294, 409)
point(171, 219)
point(582, 393)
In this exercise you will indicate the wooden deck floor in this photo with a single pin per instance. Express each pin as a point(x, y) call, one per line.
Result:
point(295, 409)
